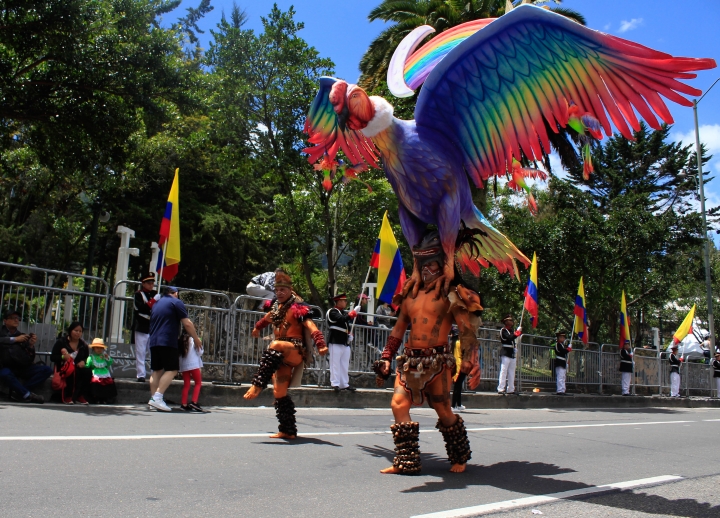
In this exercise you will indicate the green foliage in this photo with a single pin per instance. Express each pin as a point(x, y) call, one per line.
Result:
point(631, 230)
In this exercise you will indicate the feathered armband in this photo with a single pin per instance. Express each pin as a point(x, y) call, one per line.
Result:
point(391, 349)
point(262, 324)
point(319, 340)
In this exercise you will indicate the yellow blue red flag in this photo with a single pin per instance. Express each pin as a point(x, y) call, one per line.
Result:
point(624, 322)
point(685, 328)
point(169, 258)
point(387, 259)
point(581, 321)
point(531, 293)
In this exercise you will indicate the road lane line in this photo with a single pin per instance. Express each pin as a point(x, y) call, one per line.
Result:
point(545, 499)
point(301, 434)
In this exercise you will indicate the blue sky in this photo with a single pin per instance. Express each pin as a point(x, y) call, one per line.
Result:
point(339, 29)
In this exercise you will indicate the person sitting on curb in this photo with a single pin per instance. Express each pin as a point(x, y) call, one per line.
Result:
point(17, 353)
point(72, 348)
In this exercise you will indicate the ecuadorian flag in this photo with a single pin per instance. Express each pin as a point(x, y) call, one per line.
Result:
point(624, 321)
point(685, 328)
point(386, 258)
point(581, 321)
point(169, 258)
point(531, 293)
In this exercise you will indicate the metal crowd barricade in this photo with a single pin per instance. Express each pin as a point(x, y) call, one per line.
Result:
point(647, 369)
point(63, 297)
point(210, 311)
point(489, 354)
point(609, 366)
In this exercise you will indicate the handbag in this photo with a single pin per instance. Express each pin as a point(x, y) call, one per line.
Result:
point(59, 381)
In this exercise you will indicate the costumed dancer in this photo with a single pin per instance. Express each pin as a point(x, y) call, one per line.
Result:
point(509, 352)
point(295, 336)
point(102, 385)
point(716, 372)
point(561, 351)
point(675, 362)
point(339, 341)
point(143, 302)
point(425, 368)
point(626, 367)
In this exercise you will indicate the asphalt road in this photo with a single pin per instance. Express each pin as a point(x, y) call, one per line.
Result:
point(108, 461)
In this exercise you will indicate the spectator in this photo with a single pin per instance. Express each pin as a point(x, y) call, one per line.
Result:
point(190, 367)
point(72, 348)
point(262, 286)
point(167, 315)
point(143, 302)
point(17, 352)
point(102, 385)
point(361, 303)
point(385, 310)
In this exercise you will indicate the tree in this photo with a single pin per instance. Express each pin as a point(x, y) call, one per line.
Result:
point(79, 79)
point(632, 229)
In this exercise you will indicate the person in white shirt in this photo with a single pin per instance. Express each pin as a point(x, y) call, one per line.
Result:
point(191, 368)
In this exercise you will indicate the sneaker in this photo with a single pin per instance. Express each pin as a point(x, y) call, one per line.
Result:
point(34, 398)
point(141, 380)
point(460, 408)
point(194, 407)
point(159, 405)
point(81, 401)
point(185, 408)
point(70, 402)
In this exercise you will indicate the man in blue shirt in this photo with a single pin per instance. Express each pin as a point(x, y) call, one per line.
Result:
point(167, 315)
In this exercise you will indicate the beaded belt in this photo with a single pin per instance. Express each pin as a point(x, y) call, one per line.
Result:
point(429, 351)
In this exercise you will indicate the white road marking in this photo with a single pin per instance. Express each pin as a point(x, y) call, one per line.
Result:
point(301, 434)
point(545, 499)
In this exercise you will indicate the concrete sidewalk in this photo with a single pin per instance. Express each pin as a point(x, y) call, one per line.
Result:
point(132, 392)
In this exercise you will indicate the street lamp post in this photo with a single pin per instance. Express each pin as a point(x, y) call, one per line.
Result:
point(701, 181)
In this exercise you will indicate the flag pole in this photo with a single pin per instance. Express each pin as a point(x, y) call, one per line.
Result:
point(362, 290)
point(162, 266)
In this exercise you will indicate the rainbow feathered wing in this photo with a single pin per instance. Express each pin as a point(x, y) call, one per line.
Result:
point(493, 91)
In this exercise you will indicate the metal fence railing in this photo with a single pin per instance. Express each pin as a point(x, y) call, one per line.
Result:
point(49, 299)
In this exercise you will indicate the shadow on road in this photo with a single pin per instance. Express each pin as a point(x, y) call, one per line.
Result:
point(91, 410)
point(300, 440)
point(530, 478)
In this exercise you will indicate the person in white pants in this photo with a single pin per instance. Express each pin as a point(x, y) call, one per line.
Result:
point(626, 367)
point(506, 384)
point(143, 302)
point(339, 341)
point(561, 351)
point(716, 372)
point(674, 372)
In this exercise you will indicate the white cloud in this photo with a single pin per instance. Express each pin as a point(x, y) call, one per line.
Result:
point(629, 25)
point(709, 135)
point(607, 26)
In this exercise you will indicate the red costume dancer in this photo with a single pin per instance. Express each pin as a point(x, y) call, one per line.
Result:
point(426, 367)
point(295, 336)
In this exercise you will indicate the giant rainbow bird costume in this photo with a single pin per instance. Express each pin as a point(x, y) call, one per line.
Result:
point(489, 86)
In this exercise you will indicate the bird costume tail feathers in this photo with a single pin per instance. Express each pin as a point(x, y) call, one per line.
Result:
point(480, 244)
